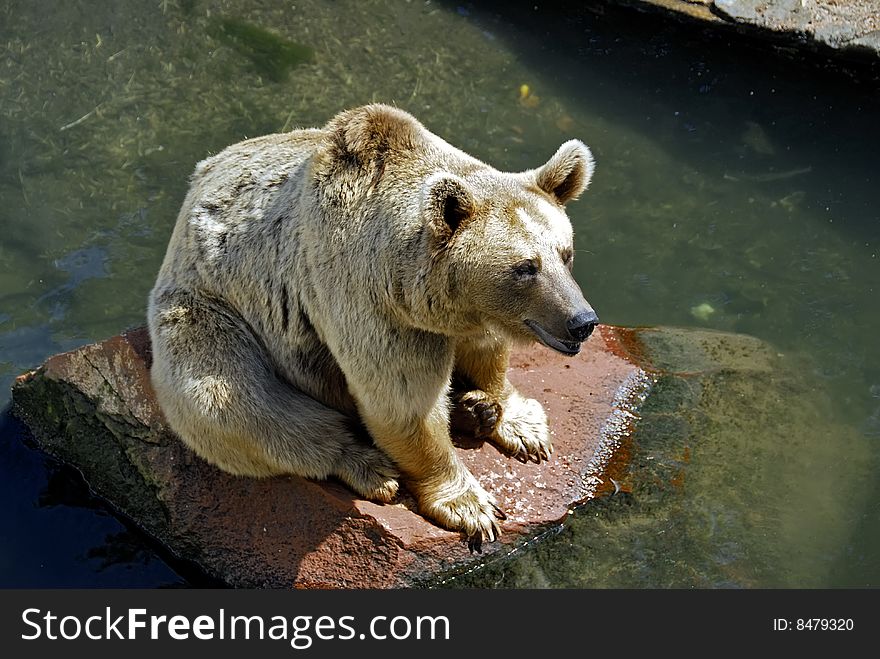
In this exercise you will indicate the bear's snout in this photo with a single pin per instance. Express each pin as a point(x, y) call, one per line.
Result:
point(582, 324)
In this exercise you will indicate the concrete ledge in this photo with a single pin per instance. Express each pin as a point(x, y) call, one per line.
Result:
point(851, 27)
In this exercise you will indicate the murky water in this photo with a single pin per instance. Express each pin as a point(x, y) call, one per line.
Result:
point(734, 191)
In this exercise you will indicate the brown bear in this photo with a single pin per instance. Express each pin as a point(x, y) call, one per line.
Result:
point(324, 288)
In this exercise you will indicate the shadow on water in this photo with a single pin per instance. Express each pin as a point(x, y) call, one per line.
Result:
point(45, 501)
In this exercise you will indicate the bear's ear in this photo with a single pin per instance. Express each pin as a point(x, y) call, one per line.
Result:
point(447, 202)
point(567, 174)
point(366, 132)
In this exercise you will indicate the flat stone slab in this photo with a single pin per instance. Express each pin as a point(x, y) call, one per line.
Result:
point(93, 408)
point(843, 25)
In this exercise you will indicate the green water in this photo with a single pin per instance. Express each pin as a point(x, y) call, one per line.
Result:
point(735, 190)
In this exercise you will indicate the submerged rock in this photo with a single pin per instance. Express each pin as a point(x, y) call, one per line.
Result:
point(737, 474)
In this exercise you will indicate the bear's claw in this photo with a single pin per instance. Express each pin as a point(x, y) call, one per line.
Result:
point(523, 433)
point(473, 512)
point(475, 413)
point(475, 541)
point(519, 428)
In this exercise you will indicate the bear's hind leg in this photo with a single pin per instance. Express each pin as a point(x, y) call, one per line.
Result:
point(368, 471)
point(222, 396)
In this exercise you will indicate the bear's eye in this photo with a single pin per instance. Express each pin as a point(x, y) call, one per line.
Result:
point(567, 258)
point(525, 269)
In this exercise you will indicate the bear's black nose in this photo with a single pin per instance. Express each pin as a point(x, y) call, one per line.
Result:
point(582, 324)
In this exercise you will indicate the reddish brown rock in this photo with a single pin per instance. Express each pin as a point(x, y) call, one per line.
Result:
point(94, 408)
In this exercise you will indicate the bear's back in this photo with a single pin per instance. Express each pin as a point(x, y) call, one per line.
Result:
point(226, 218)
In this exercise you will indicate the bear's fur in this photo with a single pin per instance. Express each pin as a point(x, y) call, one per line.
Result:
point(326, 287)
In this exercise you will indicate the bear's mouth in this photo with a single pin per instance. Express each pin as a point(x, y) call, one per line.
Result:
point(557, 344)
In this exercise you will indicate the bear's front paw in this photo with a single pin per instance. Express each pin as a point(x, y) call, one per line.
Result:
point(472, 511)
point(369, 472)
point(523, 431)
point(475, 413)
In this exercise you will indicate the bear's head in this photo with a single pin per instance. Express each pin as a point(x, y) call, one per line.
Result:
point(500, 243)
point(505, 241)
